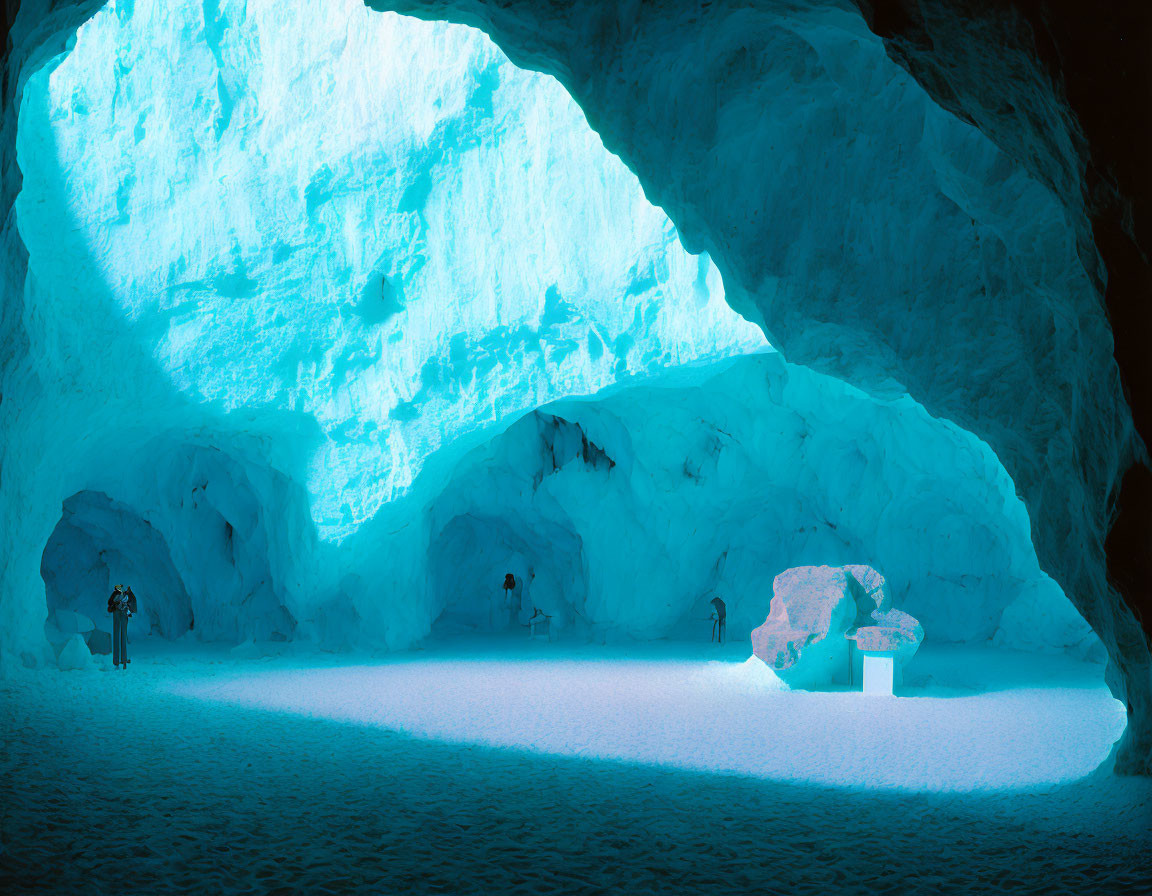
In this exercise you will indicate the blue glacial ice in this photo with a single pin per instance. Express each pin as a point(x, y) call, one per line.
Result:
point(336, 319)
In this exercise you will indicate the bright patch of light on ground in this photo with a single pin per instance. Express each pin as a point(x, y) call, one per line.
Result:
point(972, 720)
point(211, 773)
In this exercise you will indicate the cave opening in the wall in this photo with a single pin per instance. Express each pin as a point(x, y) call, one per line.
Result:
point(357, 354)
point(97, 544)
point(192, 541)
point(472, 556)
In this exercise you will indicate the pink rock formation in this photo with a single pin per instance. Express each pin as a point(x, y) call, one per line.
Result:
point(816, 608)
point(809, 604)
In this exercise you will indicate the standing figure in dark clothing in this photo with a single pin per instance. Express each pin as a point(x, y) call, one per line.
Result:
point(719, 614)
point(121, 604)
point(510, 595)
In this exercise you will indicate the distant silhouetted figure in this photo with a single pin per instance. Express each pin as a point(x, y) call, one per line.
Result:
point(121, 604)
point(510, 598)
point(719, 614)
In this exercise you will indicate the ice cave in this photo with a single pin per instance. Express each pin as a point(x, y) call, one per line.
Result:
point(513, 447)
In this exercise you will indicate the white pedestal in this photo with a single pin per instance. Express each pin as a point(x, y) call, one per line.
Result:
point(879, 673)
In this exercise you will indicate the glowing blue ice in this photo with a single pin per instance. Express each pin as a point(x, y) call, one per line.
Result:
point(298, 284)
point(405, 240)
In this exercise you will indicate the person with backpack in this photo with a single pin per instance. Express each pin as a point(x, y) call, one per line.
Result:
point(122, 605)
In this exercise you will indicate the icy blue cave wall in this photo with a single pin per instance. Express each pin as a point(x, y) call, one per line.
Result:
point(209, 544)
point(346, 256)
point(100, 543)
point(626, 514)
point(880, 239)
point(318, 263)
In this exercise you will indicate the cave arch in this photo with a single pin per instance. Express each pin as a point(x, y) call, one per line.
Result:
point(1066, 455)
point(686, 486)
point(470, 556)
point(1071, 445)
point(99, 543)
point(196, 545)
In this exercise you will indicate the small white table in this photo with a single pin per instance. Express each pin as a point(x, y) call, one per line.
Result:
point(879, 647)
point(879, 672)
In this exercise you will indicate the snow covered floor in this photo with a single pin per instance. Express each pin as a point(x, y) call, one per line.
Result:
point(663, 769)
point(1036, 720)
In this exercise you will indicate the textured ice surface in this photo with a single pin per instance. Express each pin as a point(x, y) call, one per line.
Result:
point(625, 515)
point(74, 655)
point(376, 222)
point(299, 277)
point(278, 259)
